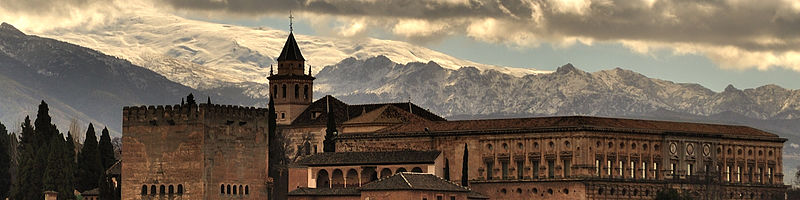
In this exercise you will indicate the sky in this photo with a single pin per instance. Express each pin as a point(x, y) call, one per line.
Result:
point(746, 43)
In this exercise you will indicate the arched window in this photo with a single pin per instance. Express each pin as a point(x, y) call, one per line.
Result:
point(229, 189)
point(307, 148)
point(144, 189)
point(153, 190)
point(416, 169)
point(180, 189)
point(296, 91)
point(246, 189)
point(337, 178)
point(284, 91)
point(234, 189)
point(322, 179)
point(352, 178)
point(171, 189)
point(274, 91)
point(241, 190)
point(399, 170)
point(222, 189)
point(162, 189)
point(386, 172)
point(305, 92)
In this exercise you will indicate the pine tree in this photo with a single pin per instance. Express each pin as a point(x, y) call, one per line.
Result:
point(190, 99)
point(106, 150)
point(89, 164)
point(5, 162)
point(28, 185)
point(465, 168)
point(329, 145)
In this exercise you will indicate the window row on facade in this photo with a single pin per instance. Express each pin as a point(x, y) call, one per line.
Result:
point(232, 189)
point(354, 178)
point(296, 91)
point(162, 190)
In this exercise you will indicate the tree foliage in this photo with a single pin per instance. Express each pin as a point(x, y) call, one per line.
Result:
point(465, 168)
point(28, 184)
point(329, 145)
point(5, 162)
point(107, 157)
point(90, 168)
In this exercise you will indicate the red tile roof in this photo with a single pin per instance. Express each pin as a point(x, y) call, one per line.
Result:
point(489, 126)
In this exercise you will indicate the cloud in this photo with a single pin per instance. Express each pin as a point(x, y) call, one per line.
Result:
point(735, 34)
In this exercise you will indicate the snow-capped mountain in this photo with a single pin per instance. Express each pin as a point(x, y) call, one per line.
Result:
point(77, 83)
point(568, 91)
point(205, 55)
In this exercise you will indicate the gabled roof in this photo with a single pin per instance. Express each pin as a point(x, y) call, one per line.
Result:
point(290, 50)
point(491, 126)
point(387, 114)
point(304, 191)
point(370, 158)
point(344, 112)
point(414, 181)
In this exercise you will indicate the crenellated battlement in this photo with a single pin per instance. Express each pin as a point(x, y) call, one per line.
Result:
point(172, 114)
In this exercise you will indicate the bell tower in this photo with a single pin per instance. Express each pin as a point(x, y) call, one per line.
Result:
point(291, 88)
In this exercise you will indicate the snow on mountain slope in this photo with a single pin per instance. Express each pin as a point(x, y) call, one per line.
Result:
point(204, 55)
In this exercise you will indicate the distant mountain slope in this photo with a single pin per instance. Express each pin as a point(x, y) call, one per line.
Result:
point(76, 82)
point(568, 91)
point(205, 55)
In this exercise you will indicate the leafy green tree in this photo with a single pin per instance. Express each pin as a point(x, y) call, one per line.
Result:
point(89, 164)
point(106, 150)
point(5, 162)
point(28, 185)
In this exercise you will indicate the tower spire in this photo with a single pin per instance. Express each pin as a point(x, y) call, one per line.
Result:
point(291, 22)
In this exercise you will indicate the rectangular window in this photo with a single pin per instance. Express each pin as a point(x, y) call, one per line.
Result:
point(621, 167)
point(728, 173)
point(439, 198)
point(655, 170)
point(672, 169)
point(452, 197)
point(633, 169)
point(551, 165)
point(750, 174)
point(738, 173)
point(520, 169)
point(760, 173)
point(644, 170)
point(689, 168)
point(535, 168)
point(567, 167)
point(769, 174)
point(489, 170)
point(504, 165)
point(597, 167)
point(610, 166)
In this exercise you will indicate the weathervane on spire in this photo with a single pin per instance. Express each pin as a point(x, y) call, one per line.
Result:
point(291, 22)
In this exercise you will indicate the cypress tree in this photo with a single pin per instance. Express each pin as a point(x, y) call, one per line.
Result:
point(465, 168)
point(89, 166)
point(28, 185)
point(329, 145)
point(106, 150)
point(446, 169)
point(68, 168)
point(5, 162)
point(190, 99)
point(52, 173)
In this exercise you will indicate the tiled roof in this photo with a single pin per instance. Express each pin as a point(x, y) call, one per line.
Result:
point(304, 191)
point(370, 158)
point(386, 114)
point(414, 181)
point(490, 126)
point(343, 112)
point(290, 50)
point(476, 195)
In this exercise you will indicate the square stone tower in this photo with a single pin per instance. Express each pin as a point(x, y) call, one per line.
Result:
point(291, 88)
point(194, 151)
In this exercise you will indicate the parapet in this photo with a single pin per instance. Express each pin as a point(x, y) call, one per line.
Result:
point(176, 114)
